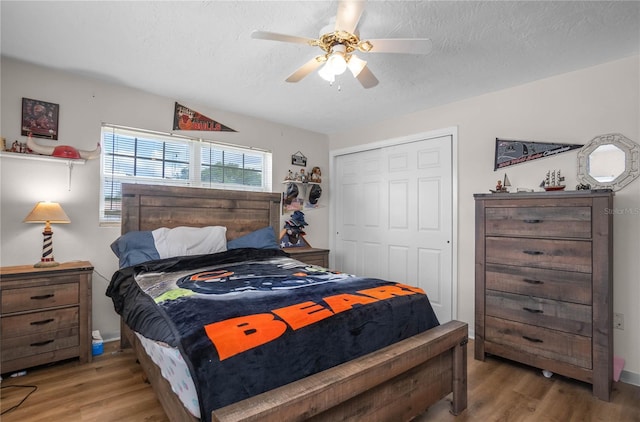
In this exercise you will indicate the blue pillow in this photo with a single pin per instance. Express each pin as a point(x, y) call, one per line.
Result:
point(260, 239)
point(134, 248)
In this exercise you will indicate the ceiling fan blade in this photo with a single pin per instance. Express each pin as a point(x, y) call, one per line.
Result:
point(366, 78)
point(274, 36)
point(349, 13)
point(305, 69)
point(401, 45)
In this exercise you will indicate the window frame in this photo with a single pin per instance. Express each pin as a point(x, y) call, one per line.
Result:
point(111, 214)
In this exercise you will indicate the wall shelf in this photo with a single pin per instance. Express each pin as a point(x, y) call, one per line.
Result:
point(36, 157)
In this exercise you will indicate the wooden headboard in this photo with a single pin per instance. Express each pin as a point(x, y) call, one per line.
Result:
point(148, 207)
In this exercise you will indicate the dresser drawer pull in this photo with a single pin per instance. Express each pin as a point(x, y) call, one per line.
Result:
point(533, 340)
point(533, 311)
point(533, 252)
point(50, 295)
point(42, 343)
point(44, 321)
point(531, 281)
point(532, 221)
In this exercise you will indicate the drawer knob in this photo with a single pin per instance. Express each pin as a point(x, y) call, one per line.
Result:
point(533, 221)
point(40, 297)
point(41, 343)
point(533, 252)
point(44, 321)
point(532, 281)
point(533, 311)
point(531, 339)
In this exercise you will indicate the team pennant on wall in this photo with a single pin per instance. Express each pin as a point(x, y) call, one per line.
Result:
point(186, 119)
point(509, 152)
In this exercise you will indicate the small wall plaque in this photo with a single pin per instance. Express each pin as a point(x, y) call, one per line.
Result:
point(298, 159)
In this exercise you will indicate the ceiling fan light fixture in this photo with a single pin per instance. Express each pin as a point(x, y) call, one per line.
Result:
point(326, 73)
point(336, 60)
point(355, 65)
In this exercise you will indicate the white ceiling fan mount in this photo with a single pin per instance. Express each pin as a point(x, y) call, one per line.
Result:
point(340, 45)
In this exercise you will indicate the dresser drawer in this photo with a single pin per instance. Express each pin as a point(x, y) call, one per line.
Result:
point(573, 222)
point(551, 344)
point(558, 315)
point(568, 286)
point(31, 298)
point(33, 344)
point(38, 322)
point(570, 255)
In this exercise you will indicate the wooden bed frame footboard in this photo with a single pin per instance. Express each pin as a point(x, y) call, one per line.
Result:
point(396, 383)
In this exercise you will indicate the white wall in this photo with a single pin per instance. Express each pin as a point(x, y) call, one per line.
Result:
point(84, 104)
point(571, 108)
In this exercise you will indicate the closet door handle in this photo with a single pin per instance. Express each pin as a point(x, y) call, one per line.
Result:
point(533, 311)
point(533, 252)
point(533, 340)
point(44, 321)
point(532, 221)
point(532, 281)
point(50, 295)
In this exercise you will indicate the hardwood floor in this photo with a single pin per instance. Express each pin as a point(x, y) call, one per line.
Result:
point(112, 388)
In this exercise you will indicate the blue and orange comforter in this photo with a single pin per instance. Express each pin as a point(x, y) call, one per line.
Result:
point(250, 320)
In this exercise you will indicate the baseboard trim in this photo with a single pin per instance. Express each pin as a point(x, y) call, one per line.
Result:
point(630, 378)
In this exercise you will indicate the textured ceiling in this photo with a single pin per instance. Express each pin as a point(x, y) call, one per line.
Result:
point(201, 53)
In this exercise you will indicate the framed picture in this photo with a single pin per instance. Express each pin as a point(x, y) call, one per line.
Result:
point(40, 118)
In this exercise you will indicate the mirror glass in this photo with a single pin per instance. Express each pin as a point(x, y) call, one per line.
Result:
point(608, 162)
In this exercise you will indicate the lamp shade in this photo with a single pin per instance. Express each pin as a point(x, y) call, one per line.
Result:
point(47, 212)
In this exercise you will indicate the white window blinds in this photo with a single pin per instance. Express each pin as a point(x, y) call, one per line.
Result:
point(138, 156)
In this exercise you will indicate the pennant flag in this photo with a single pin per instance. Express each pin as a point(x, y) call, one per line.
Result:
point(509, 153)
point(186, 119)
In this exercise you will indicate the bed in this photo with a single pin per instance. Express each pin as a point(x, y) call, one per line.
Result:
point(397, 382)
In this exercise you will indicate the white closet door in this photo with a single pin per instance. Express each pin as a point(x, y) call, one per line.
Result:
point(393, 216)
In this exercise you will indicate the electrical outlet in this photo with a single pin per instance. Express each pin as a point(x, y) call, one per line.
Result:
point(618, 321)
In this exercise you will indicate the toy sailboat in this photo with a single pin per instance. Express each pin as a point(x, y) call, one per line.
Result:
point(506, 183)
point(502, 186)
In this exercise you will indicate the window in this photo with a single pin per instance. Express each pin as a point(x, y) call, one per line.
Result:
point(137, 156)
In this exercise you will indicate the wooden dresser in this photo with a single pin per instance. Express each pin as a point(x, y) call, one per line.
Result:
point(544, 282)
point(313, 256)
point(46, 314)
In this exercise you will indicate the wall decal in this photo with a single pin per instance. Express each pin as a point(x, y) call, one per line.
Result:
point(186, 119)
point(510, 152)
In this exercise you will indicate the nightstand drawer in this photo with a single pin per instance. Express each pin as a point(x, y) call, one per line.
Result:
point(554, 314)
point(574, 222)
point(568, 286)
point(30, 298)
point(34, 344)
point(311, 256)
point(569, 255)
point(38, 322)
point(551, 344)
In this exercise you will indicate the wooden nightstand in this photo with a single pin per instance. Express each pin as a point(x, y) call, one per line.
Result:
point(313, 256)
point(46, 314)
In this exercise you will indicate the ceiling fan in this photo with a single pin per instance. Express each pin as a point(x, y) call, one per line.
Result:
point(341, 42)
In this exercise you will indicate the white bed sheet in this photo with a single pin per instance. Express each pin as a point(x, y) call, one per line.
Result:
point(175, 370)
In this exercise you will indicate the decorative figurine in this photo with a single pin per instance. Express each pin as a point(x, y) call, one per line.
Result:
point(553, 181)
point(502, 186)
point(316, 175)
point(292, 236)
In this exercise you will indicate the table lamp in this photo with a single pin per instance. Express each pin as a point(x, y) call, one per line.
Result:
point(47, 212)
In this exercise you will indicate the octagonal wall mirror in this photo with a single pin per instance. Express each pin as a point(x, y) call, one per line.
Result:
point(608, 162)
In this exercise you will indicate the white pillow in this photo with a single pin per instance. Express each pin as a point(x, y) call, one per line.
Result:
point(183, 241)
